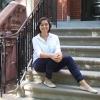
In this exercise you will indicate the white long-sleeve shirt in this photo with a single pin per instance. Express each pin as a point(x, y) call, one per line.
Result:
point(51, 45)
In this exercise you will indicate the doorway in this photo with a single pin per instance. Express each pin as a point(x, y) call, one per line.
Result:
point(86, 10)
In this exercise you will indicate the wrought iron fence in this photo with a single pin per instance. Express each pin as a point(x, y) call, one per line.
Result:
point(23, 45)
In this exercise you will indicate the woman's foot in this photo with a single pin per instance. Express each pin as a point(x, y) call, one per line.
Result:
point(49, 83)
point(89, 89)
point(84, 86)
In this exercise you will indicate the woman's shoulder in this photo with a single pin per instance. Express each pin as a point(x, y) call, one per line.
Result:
point(35, 37)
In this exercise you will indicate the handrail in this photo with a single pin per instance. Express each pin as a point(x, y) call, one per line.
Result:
point(23, 45)
point(16, 33)
point(19, 33)
point(39, 1)
point(26, 71)
point(23, 41)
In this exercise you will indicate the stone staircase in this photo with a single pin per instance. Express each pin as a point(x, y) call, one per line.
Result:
point(84, 46)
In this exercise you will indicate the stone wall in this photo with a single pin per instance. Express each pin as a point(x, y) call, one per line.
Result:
point(12, 17)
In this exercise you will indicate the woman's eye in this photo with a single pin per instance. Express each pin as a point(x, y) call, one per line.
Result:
point(41, 25)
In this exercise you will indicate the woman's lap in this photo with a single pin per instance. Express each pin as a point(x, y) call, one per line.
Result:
point(41, 63)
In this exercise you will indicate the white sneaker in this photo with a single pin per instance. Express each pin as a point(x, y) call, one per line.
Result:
point(49, 83)
point(90, 89)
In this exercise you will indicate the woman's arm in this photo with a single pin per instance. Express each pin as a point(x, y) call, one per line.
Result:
point(45, 55)
point(57, 57)
point(58, 51)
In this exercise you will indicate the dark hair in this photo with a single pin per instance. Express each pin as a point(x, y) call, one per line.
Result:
point(38, 25)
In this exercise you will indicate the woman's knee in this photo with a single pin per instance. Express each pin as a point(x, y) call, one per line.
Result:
point(68, 58)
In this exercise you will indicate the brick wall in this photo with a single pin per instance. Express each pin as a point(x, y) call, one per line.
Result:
point(75, 9)
point(71, 8)
point(62, 10)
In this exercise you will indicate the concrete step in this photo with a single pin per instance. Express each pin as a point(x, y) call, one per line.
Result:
point(67, 88)
point(61, 92)
point(76, 32)
point(80, 40)
point(65, 77)
point(14, 97)
point(81, 51)
point(87, 63)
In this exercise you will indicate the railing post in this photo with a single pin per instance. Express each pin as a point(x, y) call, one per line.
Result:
point(17, 62)
point(1, 47)
point(3, 79)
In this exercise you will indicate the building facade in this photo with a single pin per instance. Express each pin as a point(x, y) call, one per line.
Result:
point(73, 9)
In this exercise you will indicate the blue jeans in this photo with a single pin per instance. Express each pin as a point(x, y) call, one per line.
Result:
point(49, 66)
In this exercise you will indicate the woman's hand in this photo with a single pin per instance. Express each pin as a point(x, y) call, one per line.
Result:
point(57, 57)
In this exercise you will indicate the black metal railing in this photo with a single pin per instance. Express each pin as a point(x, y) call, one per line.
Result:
point(1, 68)
point(23, 38)
point(24, 42)
point(2, 64)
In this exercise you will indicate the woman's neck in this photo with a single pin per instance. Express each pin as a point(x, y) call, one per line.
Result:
point(44, 36)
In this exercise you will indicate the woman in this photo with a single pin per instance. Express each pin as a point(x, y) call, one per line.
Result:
point(48, 58)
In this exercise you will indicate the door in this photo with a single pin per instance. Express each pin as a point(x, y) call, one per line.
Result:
point(86, 10)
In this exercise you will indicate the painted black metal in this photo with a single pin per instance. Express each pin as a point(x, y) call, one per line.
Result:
point(87, 10)
point(96, 9)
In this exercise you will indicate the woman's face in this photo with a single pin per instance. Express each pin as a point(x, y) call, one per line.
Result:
point(44, 26)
